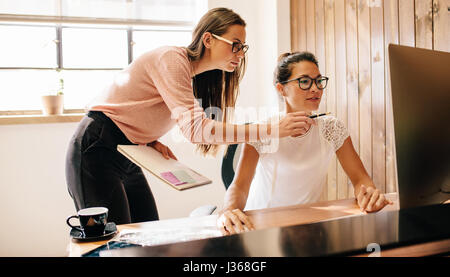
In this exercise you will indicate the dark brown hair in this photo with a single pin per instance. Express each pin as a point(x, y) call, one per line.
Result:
point(215, 88)
point(285, 61)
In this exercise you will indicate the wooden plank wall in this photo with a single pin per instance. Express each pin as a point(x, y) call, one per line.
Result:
point(350, 39)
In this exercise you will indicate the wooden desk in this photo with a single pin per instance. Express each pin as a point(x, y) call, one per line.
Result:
point(265, 218)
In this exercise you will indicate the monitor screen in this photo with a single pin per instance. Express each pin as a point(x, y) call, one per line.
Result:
point(420, 82)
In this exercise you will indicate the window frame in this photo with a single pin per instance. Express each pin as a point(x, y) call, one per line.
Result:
point(69, 22)
point(59, 42)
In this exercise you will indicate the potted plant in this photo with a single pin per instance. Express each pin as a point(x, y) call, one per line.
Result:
point(53, 104)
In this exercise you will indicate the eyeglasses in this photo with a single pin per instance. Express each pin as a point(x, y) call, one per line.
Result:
point(306, 82)
point(236, 46)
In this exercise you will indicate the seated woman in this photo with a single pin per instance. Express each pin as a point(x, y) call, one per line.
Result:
point(292, 170)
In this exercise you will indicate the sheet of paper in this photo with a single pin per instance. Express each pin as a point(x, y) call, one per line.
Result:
point(159, 236)
point(183, 176)
point(171, 231)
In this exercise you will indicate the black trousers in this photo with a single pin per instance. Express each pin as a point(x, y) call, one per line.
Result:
point(98, 175)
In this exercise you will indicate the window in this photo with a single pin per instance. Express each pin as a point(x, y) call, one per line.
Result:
point(83, 42)
point(145, 40)
point(94, 48)
point(27, 46)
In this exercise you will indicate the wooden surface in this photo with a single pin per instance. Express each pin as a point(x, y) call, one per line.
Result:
point(310, 213)
point(351, 47)
point(391, 35)
point(364, 86)
point(441, 25)
point(341, 88)
point(266, 218)
point(329, 94)
point(378, 100)
point(406, 23)
point(424, 23)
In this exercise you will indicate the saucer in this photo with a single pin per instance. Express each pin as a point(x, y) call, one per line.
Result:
point(110, 231)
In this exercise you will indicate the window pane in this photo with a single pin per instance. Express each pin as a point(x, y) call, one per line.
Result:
point(22, 89)
point(173, 10)
point(35, 7)
point(148, 40)
point(27, 46)
point(94, 48)
point(81, 86)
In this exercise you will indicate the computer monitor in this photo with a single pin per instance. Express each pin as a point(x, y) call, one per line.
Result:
point(420, 82)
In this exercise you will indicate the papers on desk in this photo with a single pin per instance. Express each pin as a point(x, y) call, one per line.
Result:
point(158, 236)
point(171, 231)
point(170, 171)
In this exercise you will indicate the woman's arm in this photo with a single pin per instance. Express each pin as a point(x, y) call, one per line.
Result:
point(292, 124)
point(369, 198)
point(199, 129)
point(237, 193)
point(231, 219)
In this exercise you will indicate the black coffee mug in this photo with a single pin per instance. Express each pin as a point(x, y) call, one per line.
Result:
point(92, 221)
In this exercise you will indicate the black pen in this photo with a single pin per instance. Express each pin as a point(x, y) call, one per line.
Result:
point(317, 115)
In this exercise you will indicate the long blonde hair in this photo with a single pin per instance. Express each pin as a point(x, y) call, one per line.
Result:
point(216, 88)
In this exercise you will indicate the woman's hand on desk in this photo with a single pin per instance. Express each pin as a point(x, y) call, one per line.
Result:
point(234, 221)
point(163, 149)
point(371, 199)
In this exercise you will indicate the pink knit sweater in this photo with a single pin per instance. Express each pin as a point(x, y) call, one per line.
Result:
point(153, 94)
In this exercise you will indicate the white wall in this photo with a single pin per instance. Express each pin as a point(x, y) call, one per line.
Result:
point(33, 196)
point(34, 200)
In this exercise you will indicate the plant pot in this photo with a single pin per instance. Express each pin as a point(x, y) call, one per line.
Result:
point(53, 104)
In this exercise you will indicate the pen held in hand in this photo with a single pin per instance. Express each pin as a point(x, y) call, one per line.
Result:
point(317, 115)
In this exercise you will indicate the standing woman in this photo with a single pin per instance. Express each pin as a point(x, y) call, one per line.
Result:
point(156, 91)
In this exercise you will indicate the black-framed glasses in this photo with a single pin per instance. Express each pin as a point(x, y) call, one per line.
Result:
point(306, 82)
point(235, 46)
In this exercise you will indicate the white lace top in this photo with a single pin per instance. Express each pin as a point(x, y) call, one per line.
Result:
point(293, 171)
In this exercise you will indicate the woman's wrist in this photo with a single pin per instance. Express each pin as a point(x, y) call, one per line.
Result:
point(230, 208)
point(152, 143)
point(222, 211)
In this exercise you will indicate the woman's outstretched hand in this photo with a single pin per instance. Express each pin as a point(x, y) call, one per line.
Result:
point(163, 149)
point(371, 199)
point(294, 124)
